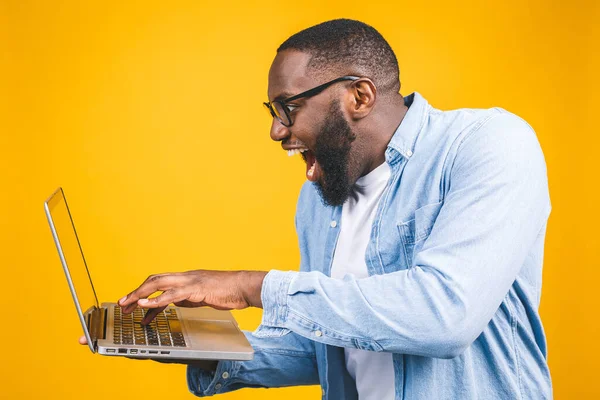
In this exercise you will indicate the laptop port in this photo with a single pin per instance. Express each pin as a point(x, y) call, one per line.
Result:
point(133, 351)
point(165, 352)
point(143, 351)
point(122, 351)
point(110, 350)
point(153, 352)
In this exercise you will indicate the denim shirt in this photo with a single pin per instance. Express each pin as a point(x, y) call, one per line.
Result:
point(455, 273)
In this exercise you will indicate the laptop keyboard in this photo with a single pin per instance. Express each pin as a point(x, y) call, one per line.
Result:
point(164, 330)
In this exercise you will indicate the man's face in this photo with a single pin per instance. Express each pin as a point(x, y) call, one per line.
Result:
point(320, 131)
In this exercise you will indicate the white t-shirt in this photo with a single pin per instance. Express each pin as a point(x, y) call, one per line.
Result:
point(373, 372)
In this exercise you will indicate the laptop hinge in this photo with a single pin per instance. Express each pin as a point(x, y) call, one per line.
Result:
point(98, 324)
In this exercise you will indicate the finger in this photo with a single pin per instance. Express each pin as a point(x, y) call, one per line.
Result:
point(128, 309)
point(151, 314)
point(83, 340)
point(166, 298)
point(152, 284)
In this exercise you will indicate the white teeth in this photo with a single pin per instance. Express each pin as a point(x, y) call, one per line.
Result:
point(293, 152)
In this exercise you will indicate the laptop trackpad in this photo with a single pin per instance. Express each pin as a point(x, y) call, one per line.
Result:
point(216, 335)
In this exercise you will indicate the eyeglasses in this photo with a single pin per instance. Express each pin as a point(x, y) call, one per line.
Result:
point(280, 110)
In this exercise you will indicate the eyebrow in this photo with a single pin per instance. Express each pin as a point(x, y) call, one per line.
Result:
point(283, 96)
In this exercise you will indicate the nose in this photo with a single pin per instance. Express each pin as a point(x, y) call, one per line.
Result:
point(279, 132)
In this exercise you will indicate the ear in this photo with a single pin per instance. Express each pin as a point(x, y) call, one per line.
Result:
point(361, 98)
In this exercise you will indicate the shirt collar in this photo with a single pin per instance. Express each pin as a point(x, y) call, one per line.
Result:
point(405, 137)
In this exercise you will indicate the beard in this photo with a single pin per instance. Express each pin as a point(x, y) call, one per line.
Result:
point(332, 150)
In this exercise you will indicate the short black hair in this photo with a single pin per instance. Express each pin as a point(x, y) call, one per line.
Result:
point(348, 47)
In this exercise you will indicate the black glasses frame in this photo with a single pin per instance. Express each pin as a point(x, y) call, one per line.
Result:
point(308, 93)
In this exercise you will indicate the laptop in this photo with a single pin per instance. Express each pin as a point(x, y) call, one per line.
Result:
point(176, 333)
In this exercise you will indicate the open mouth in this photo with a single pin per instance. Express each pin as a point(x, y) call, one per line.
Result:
point(313, 171)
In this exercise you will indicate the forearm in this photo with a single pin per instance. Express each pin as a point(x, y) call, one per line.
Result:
point(411, 312)
point(287, 360)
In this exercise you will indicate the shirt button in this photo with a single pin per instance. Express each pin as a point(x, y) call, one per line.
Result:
point(333, 224)
point(318, 333)
point(409, 153)
point(218, 386)
point(225, 375)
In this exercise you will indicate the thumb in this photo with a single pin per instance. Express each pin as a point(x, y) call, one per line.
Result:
point(189, 304)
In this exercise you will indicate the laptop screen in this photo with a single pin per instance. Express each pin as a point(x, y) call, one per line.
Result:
point(72, 255)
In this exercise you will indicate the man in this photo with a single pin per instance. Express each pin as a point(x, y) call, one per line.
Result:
point(421, 235)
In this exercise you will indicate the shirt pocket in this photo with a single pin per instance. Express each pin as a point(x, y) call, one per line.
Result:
point(415, 231)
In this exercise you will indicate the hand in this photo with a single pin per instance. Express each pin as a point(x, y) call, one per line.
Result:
point(223, 290)
point(206, 365)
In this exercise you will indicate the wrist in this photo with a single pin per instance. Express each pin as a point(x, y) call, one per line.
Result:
point(250, 285)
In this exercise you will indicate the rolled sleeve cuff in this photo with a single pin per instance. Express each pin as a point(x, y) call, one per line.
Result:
point(207, 383)
point(274, 296)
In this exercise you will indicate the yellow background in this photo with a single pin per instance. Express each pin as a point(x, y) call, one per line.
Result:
point(149, 115)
